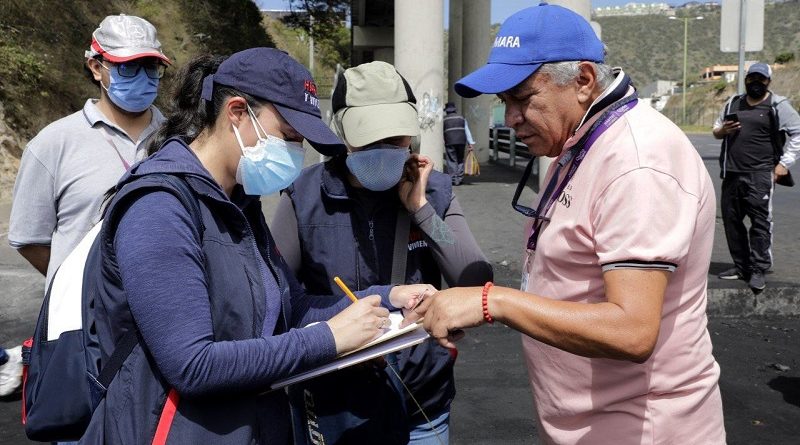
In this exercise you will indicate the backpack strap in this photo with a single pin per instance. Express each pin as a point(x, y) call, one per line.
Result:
point(131, 338)
point(777, 137)
point(400, 254)
point(121, 352)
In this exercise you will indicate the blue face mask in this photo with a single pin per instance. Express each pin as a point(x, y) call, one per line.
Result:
point(271, 165)
point(378, 168)
point(132, 94)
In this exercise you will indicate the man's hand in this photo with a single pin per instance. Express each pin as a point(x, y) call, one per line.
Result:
point(780, 171)
point(414, 181)
point(727, 128)
point(447, 312)
point(409, 296)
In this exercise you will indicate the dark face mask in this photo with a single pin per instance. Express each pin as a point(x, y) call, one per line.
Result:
point(755, 90)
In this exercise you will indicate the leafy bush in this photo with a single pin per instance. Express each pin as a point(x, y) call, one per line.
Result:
point(784, 57)
point(720, 86)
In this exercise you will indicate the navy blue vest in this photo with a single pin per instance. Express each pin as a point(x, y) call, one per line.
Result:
point(130, 411)
point(339, 236)
point(454, 129)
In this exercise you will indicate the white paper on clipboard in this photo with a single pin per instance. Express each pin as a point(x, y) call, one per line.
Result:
point(394, 339)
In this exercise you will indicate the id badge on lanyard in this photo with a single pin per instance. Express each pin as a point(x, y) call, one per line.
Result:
point(556, 187)
point(527, 265)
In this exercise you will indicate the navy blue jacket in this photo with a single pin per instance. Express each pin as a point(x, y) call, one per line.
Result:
point(340, 237)
point(215, 307)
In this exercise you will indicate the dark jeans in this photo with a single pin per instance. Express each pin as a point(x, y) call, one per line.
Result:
point(454, 157)
point(748, 194)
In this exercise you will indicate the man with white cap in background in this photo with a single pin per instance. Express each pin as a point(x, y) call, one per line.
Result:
point(755, 154)
point(67, 168)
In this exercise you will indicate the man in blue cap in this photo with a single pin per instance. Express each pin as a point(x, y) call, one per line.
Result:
point(755, 155)
point(617, 249)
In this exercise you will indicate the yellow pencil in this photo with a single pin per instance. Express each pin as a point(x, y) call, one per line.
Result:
point(344, 288)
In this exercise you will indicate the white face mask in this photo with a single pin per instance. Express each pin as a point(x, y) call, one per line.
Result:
point(271, 165)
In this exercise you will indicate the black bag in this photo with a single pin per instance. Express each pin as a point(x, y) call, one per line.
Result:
point(63, 377)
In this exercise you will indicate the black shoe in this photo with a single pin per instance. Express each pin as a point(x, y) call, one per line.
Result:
point(732, 274)
point(757, 281)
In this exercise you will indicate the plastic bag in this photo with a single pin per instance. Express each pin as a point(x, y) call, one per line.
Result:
point(471, 166)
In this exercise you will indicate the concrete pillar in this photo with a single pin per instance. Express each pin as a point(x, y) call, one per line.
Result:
point(454, 48)
point(476, 40)
point(419, 57)
point(582, 7)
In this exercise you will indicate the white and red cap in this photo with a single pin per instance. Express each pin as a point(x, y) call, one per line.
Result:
point(121, 38)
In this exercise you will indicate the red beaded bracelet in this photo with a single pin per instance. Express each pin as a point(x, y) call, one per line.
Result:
point(485, 302)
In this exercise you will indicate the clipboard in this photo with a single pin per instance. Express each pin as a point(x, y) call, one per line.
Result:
point(393, 339)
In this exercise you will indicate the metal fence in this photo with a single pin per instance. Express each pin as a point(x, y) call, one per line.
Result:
point(504, 140)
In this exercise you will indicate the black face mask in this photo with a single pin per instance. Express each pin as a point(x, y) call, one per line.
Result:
point(755, 90)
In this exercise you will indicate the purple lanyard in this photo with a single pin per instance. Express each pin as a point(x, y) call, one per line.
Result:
point(114, 146)
point(555, 188)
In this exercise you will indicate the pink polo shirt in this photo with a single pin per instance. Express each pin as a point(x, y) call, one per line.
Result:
point(642, 198)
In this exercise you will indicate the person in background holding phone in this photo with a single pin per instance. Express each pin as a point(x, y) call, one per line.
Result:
point(756, 154)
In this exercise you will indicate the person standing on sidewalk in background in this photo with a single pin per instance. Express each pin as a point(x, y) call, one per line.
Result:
point(456, 137)
point(756, 153)
point(613, 295)
point(66, 169)
point(340, 218)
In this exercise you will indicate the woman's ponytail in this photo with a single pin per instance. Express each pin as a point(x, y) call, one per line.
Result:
point(188, 113)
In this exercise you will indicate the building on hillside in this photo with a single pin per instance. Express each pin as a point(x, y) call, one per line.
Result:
point(658, 88)
point(657, 93)
point(725, 72)
point(632, 9)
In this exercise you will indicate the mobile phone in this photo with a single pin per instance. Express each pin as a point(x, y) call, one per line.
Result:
point(732, 117)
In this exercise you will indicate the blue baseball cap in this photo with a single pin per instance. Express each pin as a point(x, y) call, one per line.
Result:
point(760, 68)
point(526, 40)
point(272, 75)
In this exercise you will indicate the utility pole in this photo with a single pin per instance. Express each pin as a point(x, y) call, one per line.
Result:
point(742, 28)
point(311, 44)
point(685, 59)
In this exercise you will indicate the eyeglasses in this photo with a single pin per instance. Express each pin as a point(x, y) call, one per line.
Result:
point(538, 218)
point(154, 70)
point(538, 215)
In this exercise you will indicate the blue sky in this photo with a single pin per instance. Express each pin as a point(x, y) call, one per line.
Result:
point(501, 9)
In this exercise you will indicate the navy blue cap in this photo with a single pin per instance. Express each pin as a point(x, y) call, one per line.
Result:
point(272, 75)
point(760, 68)
point(526, 40)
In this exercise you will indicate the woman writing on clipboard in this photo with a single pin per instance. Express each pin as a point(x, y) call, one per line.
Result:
point(190, 265)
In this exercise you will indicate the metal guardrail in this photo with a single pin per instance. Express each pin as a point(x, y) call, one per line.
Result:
point(504, 139)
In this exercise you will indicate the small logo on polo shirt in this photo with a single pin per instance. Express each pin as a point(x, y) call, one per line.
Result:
point(506, 42)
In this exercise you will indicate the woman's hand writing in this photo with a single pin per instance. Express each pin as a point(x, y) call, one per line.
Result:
point(358, 324)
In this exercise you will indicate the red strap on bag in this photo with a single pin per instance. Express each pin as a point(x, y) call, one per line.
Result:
point(26, 344)
point(167, 415)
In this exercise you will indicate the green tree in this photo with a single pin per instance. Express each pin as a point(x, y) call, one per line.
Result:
point(324, 20)
point(223, 27)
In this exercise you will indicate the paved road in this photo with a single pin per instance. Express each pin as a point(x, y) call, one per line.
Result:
point(494, 406)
